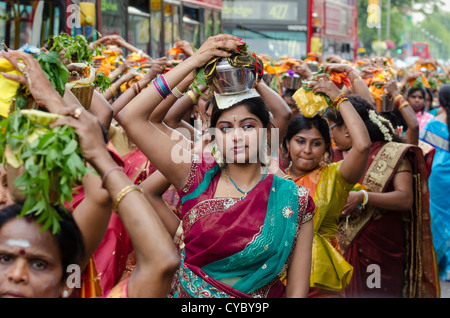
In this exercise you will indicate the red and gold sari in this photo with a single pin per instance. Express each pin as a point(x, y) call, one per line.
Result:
point(398, 242)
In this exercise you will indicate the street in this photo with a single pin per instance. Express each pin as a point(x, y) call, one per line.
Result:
point(445, 289)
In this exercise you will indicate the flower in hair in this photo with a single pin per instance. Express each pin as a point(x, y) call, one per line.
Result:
point(378, 120)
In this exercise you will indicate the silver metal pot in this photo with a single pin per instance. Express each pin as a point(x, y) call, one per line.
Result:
point(267, 78)
point(232, 80)
point(292, 82)
point(387, 104)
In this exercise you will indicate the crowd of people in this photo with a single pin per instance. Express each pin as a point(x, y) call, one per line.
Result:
point(333, 188)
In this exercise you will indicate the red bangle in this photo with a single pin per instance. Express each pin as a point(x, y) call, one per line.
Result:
point(138, 87)
point(351, 70)
point(399, 100)
point(107, 173)
point(337, 101)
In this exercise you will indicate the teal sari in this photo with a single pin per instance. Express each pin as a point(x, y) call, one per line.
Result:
point(436, 134)
point(238, 247)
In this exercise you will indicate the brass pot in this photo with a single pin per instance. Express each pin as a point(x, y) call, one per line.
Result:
point(84, 94)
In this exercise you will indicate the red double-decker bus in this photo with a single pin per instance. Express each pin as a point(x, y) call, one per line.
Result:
point(421, 49)
point(334, 28)
point(294, 27)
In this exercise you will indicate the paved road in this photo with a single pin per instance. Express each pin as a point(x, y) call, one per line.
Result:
point(445, 289)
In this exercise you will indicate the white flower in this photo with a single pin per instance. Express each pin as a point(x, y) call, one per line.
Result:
point(377, 120)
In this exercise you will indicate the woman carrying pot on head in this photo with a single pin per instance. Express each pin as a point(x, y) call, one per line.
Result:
point(436, 134)
point(34, 263)
point(235, 216)
point(385, 221)
point(307, 142)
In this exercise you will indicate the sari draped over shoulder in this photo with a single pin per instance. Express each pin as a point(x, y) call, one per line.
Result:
point(398, 242)
point(330, 272)
point(235, 247)
point(436, 135)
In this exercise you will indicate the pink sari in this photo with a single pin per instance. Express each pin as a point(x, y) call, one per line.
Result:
point(222, 237)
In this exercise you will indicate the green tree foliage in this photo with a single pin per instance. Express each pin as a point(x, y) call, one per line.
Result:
point(438, 26)
point(399, 29)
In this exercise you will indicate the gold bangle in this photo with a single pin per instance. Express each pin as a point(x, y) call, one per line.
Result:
point(123, 193)
point(191, 94)
point(340, 102)
point(403, 105)
point(113, 89)
point(397, 98)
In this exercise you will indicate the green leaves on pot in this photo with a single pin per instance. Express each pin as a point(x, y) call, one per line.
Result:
point(54, 68)
point(52, 160)
point(77, 47)
point(102, 81)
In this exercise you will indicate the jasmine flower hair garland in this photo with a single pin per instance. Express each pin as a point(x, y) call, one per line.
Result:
point(378, 120)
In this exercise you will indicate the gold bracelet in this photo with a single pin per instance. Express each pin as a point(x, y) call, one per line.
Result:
point(123, 193)
point(191, 94)
point(356, 78)
point(337, 101)
point(397, 98)
point(403, 105)
point(340, 102)
point(113, 89)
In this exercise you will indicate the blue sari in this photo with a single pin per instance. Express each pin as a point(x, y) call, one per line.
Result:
point(436, 134)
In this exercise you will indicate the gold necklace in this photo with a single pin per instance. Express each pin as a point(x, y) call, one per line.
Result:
point(226, 178)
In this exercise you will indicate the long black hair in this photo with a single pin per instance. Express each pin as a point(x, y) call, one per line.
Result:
point(300, 122)
point(69, 238)
point(255, 105)
point(363, 107)
point(421, 89)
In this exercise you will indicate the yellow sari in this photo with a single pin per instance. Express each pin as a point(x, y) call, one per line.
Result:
point(329, 270)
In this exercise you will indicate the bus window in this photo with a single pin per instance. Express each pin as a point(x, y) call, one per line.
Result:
point(139, 28)
point(274, 28)
point(113, 18)
point(273, 43)
point(171, 25)
point(191, 26)
point(30, 22)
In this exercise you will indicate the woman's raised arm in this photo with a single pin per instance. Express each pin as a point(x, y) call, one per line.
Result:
point(157, 257)
point(355, 163)
point(172, 160)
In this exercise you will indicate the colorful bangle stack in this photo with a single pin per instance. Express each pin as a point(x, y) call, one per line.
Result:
point(338, 100)
point(162, 87)
point(400, 102)
point(138, 90)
